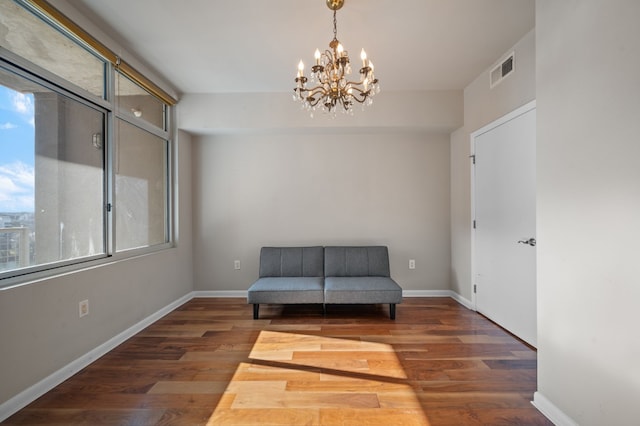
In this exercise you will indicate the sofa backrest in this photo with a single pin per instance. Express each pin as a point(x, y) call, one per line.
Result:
point(369, 261)
point(291, 262)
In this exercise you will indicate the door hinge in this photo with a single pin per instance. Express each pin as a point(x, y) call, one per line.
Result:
point(474, 224)
point(475, 288)
point(108, 207)
point(473, 158)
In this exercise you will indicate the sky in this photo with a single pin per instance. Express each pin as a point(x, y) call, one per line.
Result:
point(17, 135)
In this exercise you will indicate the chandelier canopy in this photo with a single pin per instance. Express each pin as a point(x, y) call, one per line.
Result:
point(331, 89)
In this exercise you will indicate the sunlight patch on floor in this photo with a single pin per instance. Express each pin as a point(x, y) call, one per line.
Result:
point(292, 378)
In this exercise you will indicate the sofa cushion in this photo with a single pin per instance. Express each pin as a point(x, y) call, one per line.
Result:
point(285, 290)
point(370, 261)
point(361, 290)
point(291, 262)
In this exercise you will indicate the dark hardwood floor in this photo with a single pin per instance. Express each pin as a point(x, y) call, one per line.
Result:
point(210, 363)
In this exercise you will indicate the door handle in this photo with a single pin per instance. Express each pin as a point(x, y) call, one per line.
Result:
point(530, 241)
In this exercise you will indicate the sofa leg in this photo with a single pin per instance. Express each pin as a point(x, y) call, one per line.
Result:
point(324, 310)
point(392, 310)
point(256, 309)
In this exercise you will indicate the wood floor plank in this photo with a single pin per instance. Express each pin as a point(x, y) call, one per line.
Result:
point(65, 417)
point(181, 388)
point(210, 363)
point(306, 400)
point(351, 385)
point(381, 417)
point(265, 417)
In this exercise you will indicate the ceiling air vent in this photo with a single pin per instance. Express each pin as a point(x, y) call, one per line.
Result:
point(501, 71)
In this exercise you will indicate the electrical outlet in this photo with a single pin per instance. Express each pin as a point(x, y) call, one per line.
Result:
point(412, 264)
point(236, 265)
point(83, 308)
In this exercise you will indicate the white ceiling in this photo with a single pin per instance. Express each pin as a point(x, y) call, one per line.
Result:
point(213, 46)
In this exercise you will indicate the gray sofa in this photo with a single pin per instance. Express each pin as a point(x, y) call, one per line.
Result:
point(324, 275)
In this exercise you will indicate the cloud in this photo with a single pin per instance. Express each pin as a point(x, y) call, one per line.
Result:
point(22, 103)
point(17, 182)
point(7, 126)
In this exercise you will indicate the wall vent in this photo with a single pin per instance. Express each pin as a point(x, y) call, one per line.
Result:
point(501, 71)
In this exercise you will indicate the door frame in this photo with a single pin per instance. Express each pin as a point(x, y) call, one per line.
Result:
point(472, 139)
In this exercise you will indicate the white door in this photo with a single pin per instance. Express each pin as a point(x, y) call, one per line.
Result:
point(505, 222)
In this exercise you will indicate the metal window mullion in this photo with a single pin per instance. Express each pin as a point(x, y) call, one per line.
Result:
point(142, 124)
point(109, 188)
point(168, 225)
point(172, 156)
point(109, 178)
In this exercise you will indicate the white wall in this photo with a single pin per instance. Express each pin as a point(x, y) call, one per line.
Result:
point(482, 105)
point(588, 108)
point(321, 188)
point(433, 111)
point(266, 173)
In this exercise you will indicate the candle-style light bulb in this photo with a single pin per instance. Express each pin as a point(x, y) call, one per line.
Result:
point(300, 68)
point(363, 56)
point(317, 56)
point(340, 50)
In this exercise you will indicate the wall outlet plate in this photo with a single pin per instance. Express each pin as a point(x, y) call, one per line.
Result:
point(83, 308)
point(236, 265)
point(412, 264)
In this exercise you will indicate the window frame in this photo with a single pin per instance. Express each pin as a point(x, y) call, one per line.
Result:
point(42, 77)
point(108, 105)
point(168, 160)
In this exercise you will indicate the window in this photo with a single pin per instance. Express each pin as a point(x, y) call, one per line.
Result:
point(84, 165)
point(52, 175)
point(141, 178)
point(133, 99)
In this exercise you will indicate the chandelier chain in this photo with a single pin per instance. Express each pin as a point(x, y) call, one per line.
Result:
point(335, 26)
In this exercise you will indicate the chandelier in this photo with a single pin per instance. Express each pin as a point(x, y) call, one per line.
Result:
point(332, 89)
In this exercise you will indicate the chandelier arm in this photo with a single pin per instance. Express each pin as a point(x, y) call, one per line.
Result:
point(361, 95)
point(311, 96)
point(314, 102)
point(317, 90)
point(360, 100)
point(356, 86)
point(328, 55)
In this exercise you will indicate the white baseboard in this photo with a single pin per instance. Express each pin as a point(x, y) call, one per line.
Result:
point(32, 393)
point(461, 300)
point(228, 293)
point(426, 293)
point(553, 413)
point(439, 293)
point(405, 293)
